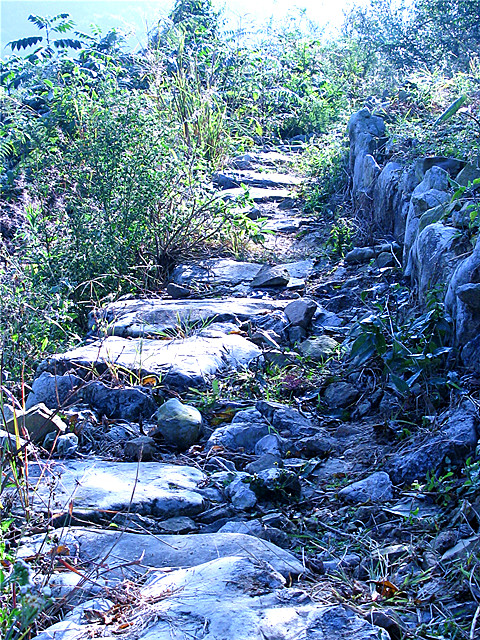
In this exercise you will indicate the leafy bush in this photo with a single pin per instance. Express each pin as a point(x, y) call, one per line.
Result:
point(406, 348)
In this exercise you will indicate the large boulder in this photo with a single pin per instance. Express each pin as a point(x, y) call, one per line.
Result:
point(89, 547)
point(386, 200)
point(57, 391)
point(366, 133)
point(455, 439)
point(229, 597)
point(432, 257)
point(181, 363)
point(459, 304)
point(153, 317)
point(95, 488)
point(431, 192)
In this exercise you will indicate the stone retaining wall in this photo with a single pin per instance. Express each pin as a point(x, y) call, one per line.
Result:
point(413, 204)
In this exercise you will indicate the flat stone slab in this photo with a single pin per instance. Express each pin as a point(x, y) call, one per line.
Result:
point(266, 158)
point(257, 194)
point(223, 271)
point(216, 271)
point(227, 598)
point(181, 363)
point(300, 269)
point(92, 545)
point(283, 224)
point(234, 179)
point(135, 318)
point(99, 488)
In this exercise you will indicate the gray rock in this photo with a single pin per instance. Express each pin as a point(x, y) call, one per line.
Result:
point(238, 435)
point(471, 354)
point(387, 205)
point(141, 448)
point(181, 525)
point(469, 294)
point(430, 193)
point(277, 358)
point(276, 484)
point(360, 254)
point(281, 224)
point(320, 445)
point(130, 404)
point(247, 415)
point(243, 161)
point(35, 423)
point(9, 442)
point(283, 418)
point(250, 528)
point(270, 444)
point(467, 176)
point(339, 395)
point(432, 257)
point(271, 277)
point(467, 320)
point(67, 445)
point(462, 549)
point(265, 461)
point(6, 412)
point(90, 546)
point(451, 165)
point(386, 259)
point(318, 348)
point(221, 598)
point(257, 194)
point(323, 319)
point(182, 363)
point(97, 487)
point(240, 493)
point(300, 312)
point(256, 179)
point(151, 317)
point(365, 132)
point(178, 423)
point(55, 391)
point(296, 334)
point(376, 488)
point(455, 440)
point(215, 271)
point(178, 292)
point(431, 216)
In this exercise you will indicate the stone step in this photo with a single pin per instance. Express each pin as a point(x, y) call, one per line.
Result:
point(266, 158)
point(180, 363)
point(221, 271)
point(232, 179)
point(99, 488)
point(257, 194)
point(150, 317)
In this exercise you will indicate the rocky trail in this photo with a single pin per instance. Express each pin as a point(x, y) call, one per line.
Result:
point(220, 469)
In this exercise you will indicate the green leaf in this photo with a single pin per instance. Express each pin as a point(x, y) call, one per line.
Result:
point(400, 384)
point(451, 110)
point(23, 43)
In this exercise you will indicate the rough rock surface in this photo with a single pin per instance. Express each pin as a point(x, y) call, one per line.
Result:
point(97, 487)
point(92, 545)
point(178, 423)
point(150, 317)
point(237, 598)
point(376, 488)
point(455, 440)
point(181, 363)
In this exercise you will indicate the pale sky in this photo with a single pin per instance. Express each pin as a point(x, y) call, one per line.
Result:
point(135, 15)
